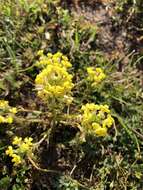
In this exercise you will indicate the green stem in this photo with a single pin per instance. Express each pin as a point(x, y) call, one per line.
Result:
point(128, 130)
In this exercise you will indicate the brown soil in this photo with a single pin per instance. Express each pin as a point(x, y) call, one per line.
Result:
point(117, 37)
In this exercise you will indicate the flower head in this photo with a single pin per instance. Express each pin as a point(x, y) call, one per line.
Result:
point(28, 141)
point(17, 141)
point(9, 151)
point(2, 119)
point(96, 119)
point(20, 149)
point(16, 159)
point(3, 104)
point(9, 119)
point(13, 110)
point(95, 76)
point(57, 59)
point(101, 132)
point(54, 82)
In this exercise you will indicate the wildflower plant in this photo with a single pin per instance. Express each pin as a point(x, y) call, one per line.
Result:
point(54, 87)
point(19, 149)
point(68, 140)
point(7, 112)
point(96, 119)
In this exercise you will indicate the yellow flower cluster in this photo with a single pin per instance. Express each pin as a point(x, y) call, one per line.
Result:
point(96, 118)
point(95, 76)
point(54, 81)
point(22, 147)
point(57, 59)
point(6, 112)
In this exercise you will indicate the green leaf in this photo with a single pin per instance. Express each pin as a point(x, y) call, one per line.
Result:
point(4, 183)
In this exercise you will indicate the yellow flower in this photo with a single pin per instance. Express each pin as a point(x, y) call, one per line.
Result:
point(9, 119)
point(17, 140)
point(96, 118)
point(57, 59)
point(99, 70)
point(64, 58)
point(2, 119)
point(108, 122)
point(13, 110)
point(16, 159)
point(57, 55)
point(105, 108)
point(53, 82)
point(66, 64)
point(96, 126)
point(3, 104)
point(90, 107)
point(101, 132)
point(40, 53)
point(49, 55)
point(95, 76)
point(24, 147)
point(7, 112)
point(9, 151)
point(28, 141)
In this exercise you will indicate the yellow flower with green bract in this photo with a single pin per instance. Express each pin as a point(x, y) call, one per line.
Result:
point(96, 119)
